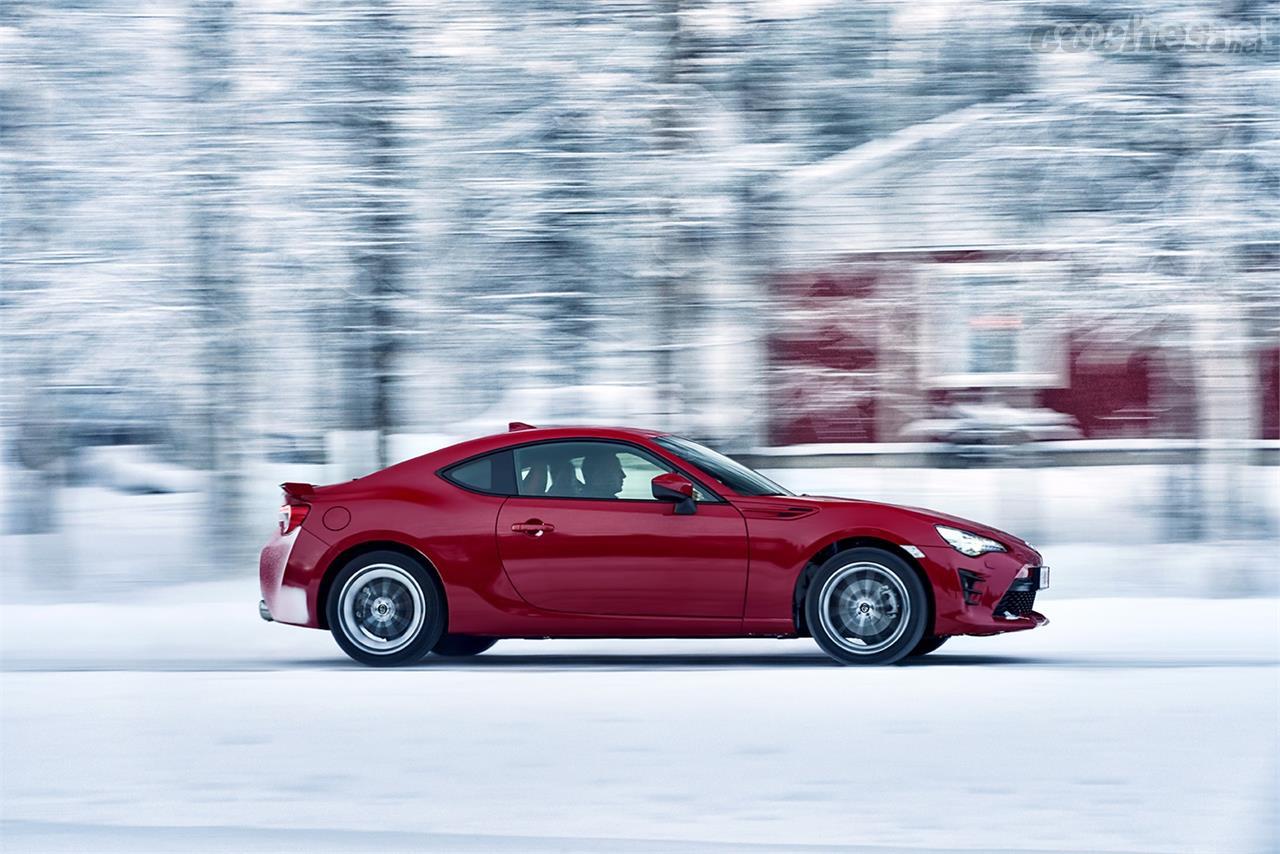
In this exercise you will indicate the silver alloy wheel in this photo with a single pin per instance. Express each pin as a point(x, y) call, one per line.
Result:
point(381, 608)
point(864, 608)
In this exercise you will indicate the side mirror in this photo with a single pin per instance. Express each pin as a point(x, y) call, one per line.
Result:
point(675, 488)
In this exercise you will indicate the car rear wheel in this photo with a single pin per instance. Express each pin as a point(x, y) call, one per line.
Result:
point(866, 606)
point(458, 646)
point(385, 609)
point(928, 644)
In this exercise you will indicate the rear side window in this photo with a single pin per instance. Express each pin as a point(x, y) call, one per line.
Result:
point(491, 474)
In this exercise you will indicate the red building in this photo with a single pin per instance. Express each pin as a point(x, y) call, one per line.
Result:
point(905, 345)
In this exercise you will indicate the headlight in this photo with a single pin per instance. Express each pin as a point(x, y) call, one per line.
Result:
point(967, 543)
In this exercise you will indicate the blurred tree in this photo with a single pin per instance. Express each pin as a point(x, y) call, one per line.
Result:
point(33, 202)
point(216, 257)
point(372, 67)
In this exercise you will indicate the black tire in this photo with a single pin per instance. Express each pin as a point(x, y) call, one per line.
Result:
point(928, 644)
point(866, 606)
point(388, 593)
point(460, 646)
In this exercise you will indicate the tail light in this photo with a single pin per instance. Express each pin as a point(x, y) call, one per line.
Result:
point(291, 516)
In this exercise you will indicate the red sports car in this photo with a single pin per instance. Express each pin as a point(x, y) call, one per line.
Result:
point(605, 532)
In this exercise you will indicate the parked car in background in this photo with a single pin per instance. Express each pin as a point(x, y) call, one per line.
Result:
point(985, 423)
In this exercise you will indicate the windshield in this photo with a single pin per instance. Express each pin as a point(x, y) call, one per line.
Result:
point(731, 473)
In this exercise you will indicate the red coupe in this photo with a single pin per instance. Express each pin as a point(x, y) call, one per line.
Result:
point(593, 532)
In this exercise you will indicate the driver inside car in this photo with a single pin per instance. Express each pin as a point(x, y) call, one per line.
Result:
point(603, 474)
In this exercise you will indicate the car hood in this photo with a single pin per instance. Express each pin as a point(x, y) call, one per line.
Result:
point(923, 514)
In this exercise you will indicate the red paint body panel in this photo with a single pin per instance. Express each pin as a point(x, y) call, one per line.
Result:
point(634, 558)
point(590, 567)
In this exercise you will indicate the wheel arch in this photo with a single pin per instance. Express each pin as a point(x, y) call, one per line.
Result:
point(875, 540)
point(378, 545)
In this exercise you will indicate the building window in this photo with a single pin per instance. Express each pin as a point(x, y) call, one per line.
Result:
point(993, 344)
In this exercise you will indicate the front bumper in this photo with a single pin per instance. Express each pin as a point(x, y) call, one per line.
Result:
point(984, 595)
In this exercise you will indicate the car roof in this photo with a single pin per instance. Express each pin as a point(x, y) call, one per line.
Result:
point(525, 435)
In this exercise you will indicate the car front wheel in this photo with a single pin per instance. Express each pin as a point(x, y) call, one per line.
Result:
point(866, 606)
point(385, 609)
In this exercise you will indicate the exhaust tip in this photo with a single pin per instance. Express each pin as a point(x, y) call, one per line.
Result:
point(263, 612)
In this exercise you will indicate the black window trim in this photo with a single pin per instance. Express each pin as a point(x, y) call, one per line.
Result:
point(509, 451)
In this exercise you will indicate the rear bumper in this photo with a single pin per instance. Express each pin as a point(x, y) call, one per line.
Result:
point(983, 595)
point(287, 578)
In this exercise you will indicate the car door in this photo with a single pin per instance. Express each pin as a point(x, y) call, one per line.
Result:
point(571, 543)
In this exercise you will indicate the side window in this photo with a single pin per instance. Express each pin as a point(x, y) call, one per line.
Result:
point(490, 474)
point(586, 470)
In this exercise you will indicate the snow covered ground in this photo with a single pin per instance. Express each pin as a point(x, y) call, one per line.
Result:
point(182, 722)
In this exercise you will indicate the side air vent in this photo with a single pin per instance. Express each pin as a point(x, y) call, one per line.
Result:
point(777, 512)
point(794, 512)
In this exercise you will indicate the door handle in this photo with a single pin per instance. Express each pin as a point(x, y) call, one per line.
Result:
point(534, 527)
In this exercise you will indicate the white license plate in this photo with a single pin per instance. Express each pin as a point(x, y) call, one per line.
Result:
point(1044, 577)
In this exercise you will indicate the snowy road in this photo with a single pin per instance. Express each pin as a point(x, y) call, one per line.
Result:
point(1123, 726)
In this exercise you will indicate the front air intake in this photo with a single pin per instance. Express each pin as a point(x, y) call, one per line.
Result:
point(969, 583)
point(1019, 600)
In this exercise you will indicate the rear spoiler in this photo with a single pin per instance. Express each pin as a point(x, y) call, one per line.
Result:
point(298, 490)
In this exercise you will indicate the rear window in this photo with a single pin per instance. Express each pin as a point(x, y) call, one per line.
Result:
point(477, 474)
point(491, 474)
